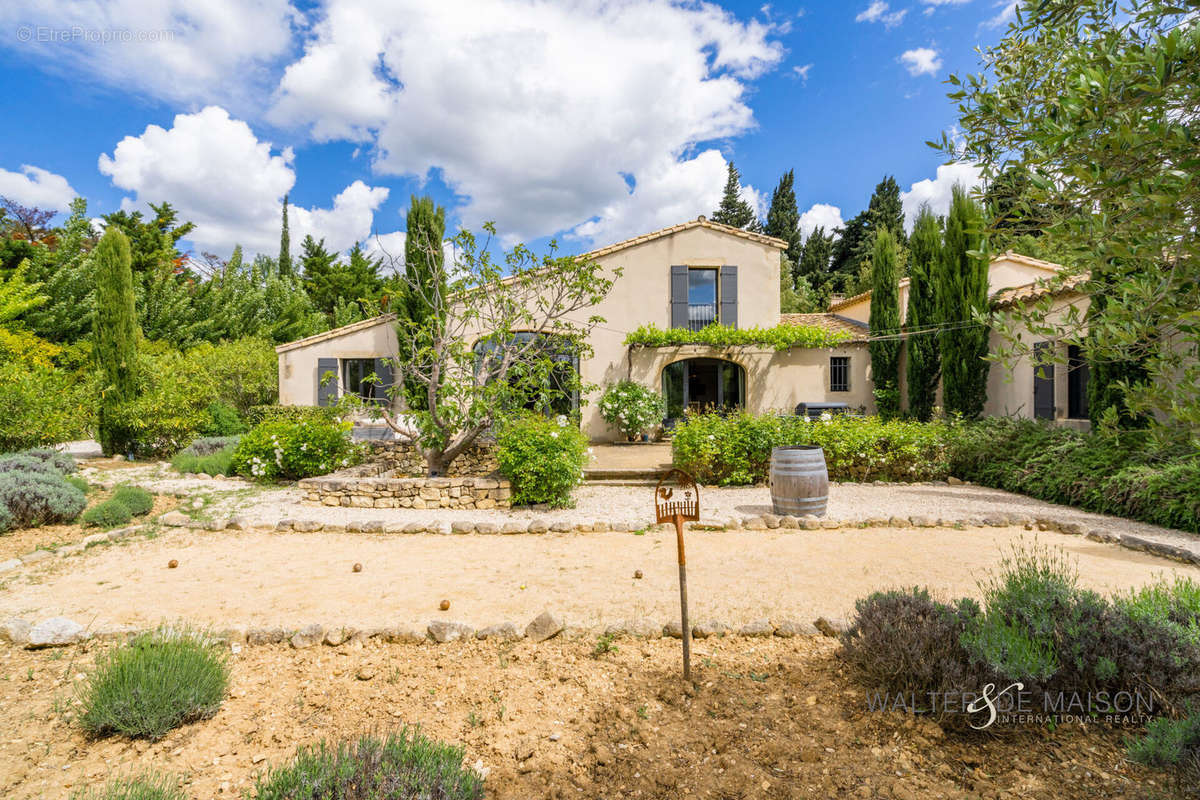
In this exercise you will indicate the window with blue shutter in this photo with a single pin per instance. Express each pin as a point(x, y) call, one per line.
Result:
point(729, 296)
point(679, 296)
point(327, 381)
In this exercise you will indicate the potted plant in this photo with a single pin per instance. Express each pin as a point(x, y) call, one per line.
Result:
point(631, 408)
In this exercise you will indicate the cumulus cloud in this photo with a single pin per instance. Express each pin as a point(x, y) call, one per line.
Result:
point(820, 215)
point(921, 61)
point(176, 50)
point(936, 191)
point(217, 173)
point(537, 112)
point(802, 72)
point(878, 11)
point(1006, 16)
point(37, 187)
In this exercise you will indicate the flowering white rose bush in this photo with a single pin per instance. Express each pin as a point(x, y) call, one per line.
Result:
point(283, 450)
point(631, 408)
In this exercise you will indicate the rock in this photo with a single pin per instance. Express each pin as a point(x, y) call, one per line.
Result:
point(898, 522)
point(69, 550)
point(443, 631)
point(704, 630)
point(55, 632)
point(561, 527)
point(759, 627)
point(788, 628)
point(1101, 535)
point(504, 630)
point(513, 527)
point(1073, 528)
point(397, 635)
point(673, 630)
point(771, 521)
point(239, 522)
point(639, 626)
point(827, 627)
point(922, 521)
point(790, 522)
point(462, 526)
point(308, 636)
point(543, 627)
point(9, 564)
point(555, 736)
point(995, 520)
point(953, 481)
point(440, 528)
point(600, 526)
point(487, 527)
point(265, 635)
point(307, 525)
point(123, 533)
point(831, 524)
point(15, 631)
point(374, 526)
point(365, 673)
point(810, 523)
point(36, 556)
point(335, 637)
point(538, 526)
point(414, 527)
point(284, 525)
point(754, 524)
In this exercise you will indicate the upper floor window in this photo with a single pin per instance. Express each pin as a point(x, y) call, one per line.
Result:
point(839, 373)
point(703, 291)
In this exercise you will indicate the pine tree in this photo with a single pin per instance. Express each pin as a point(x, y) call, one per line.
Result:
point(115, 330)
point(962, 292)
point(852, 245)
point(424, 270)
point(734, 211)
point(814, 262)
point(924, 367)
point(886, 211)
point(285, 243)
point(884, 346)
point(66, 279)
point(319, 267)
point(783, 219)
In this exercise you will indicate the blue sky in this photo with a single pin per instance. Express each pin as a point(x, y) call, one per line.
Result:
point(589, 121)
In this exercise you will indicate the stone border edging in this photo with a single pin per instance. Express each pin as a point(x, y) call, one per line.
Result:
point(40, 554)
point(64, 632)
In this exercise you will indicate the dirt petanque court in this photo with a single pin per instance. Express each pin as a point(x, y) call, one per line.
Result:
point(231, 579)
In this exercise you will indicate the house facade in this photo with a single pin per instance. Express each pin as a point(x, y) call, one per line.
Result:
point(685, 276)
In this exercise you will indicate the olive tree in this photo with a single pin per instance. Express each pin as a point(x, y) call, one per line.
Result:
point(1093, 108)
point(499, 334)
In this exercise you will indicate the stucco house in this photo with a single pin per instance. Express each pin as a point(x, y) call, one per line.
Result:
point(684, 276)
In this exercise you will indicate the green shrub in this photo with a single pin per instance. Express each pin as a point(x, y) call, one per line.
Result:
point(1175, 603)
point(208, 445)
point(905, 642)
point(1172, 745)
point(146, 786)
point(63, 462)
point(400, 766)
point(631, 408)
point(25, 464)
point(42, 405)
point(135, 498)
point(735, 449)
point(78, 482)
point(1130, 474)
point(542, 458)
point(34, 498)
point(159, 681)
point(222, 420)
point(218, 463)
point(294, 450)
point(257, 415)
point(6, 519)
point(108, 514)
point(780, 337)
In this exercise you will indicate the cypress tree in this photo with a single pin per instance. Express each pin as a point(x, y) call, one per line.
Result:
point(924, 366)
point(734, 211)
point(115, 331)
point(962, 292)
point(814, 263)
point(884, 346)
point(285, 243)
point(885, 209)
point(783, 219)
point(424, 280)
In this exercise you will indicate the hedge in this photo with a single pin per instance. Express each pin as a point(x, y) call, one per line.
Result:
point(780, 337)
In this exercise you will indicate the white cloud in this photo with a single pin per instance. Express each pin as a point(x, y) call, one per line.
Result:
point(217, 173)
point(1006, 15)
point(821, 215)
point(878, 12)
point(802, 72)
point(945, 2)
point(535, 111)
point(921, 61)
point(936, 191)
point(177, 50)
point(37, 187)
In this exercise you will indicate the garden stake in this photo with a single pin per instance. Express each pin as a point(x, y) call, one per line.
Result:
point(667, 508)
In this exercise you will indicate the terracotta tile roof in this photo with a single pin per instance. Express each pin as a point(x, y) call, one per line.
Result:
point(849, 301)
point(362, 324)
point(699, 222)
point(1036, 290)
point(830, 322)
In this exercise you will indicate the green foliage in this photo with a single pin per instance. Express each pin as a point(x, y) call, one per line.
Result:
point(42, 405)
point(1110, 381)
point(885, 325)
point(923, 366)
point(294, 450)
point(159, 681)
point(144, 786)
point(1172, 745)
point(332, 284)
point(424, 279)
point(116, 339)
point(78, 482)
point(1132, 475)
point(17, 295)
point(38, 498)
point(222, 420)
point(400, 766)
point(734, 211)
point(542, 458)
point(885, 210)
point(241, 373)
point(783, 217)
point(257, 415)
point(63, 462)
point(210, 455)
point(814, 263)
point(1174, 603)
point(735, 449)
point(285, 243)
point(1088, 105)
point(631, 408)
point(6, 519)
point(109, 514)
point(20, 462)
point(961, 289)
point(135, 498)
point(780, 337)
point(65, 276)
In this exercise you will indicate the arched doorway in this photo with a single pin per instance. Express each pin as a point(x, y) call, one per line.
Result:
point(697, 385)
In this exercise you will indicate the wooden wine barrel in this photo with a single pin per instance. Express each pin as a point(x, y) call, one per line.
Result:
point(799, 480)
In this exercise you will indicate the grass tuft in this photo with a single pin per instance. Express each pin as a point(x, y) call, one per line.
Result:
point(146, 786)
point(135, 498)
point(109, 514)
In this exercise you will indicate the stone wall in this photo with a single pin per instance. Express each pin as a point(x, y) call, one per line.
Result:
point(386, 490)
point(403, 459)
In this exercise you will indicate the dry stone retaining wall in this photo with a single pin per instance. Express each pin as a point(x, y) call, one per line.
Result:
point(349, 488)
point(403, 459)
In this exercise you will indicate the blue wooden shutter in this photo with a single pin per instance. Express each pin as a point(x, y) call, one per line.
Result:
point(327, 392)
point(729, 297)
point(383, 371)
point(1043, 383)
point(679, 296)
